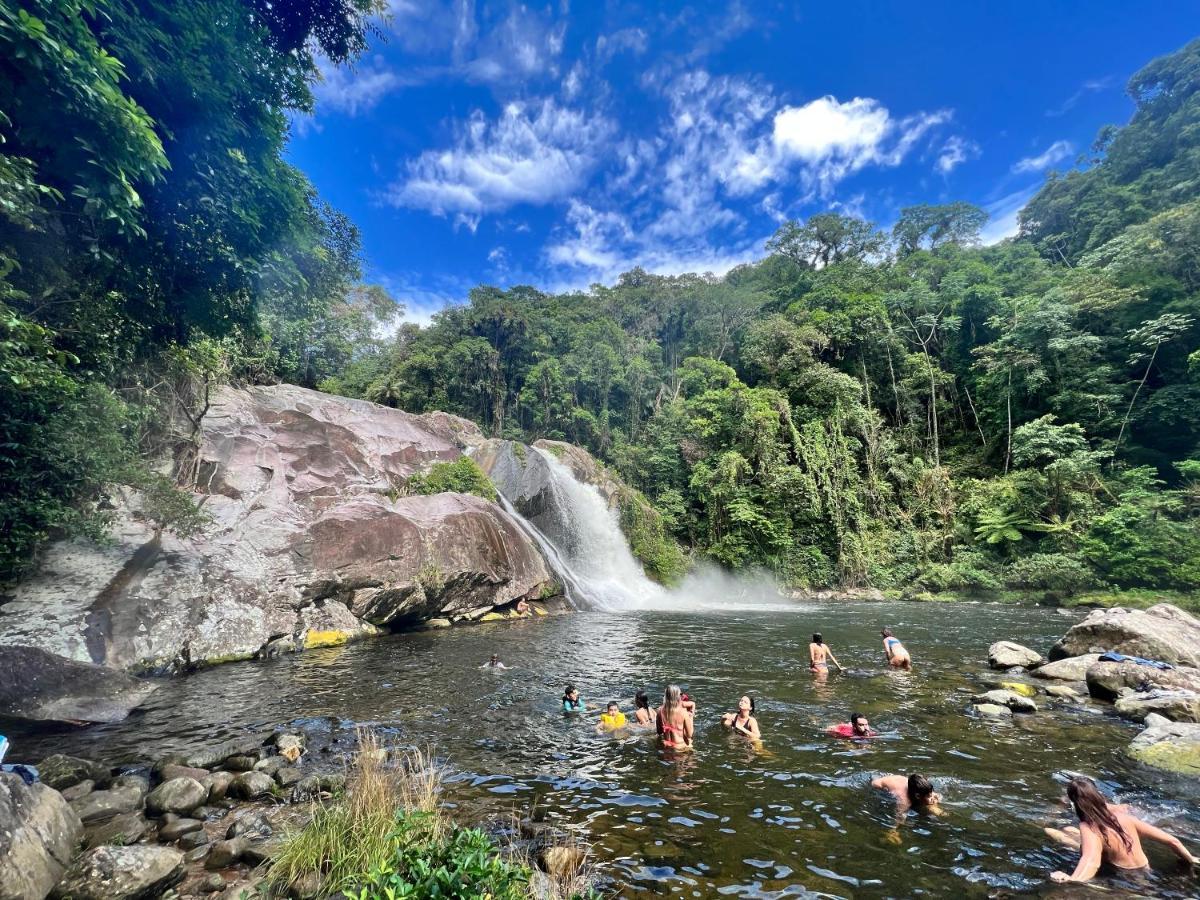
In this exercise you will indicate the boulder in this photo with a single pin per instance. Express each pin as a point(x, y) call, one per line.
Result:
point(288, 776)
point(39, 833)
point(172, 770)
point(240, 763)
point(225, 853)
point(1072, 669)
point(253, 823)
point(1162, 632)
point(1063, 692)
point(1178, 706)
point(250, 785)
point(173, 831)
point(140, 872)
point(39, 686)
point(1167, 745)
point(60, 772)
point(1014, 701)
point(179, 795)
point(1109, 680)
point(217, 784)
point(1008, 655)
point(124, 828)
point(125, 796)
point(307, 544)
point(1019, 687)
point(993, 711)
point(78, 791)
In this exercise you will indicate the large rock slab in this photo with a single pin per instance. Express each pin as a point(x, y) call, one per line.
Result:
point(1010, 655)
point(1109, 680)
point(138, 872)
point(1178, 706)
point(311, 542)
point(39, 833)
point(1163, 632)
point(38, 686)
point(1013, 700)
point(1074, 668)
point(1167, 745)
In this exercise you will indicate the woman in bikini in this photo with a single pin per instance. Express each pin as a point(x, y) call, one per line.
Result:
point(897, 656)
point(1107, 834)
point(641, 709)
point(743, 720)
point(820, 656)
point(673, 722)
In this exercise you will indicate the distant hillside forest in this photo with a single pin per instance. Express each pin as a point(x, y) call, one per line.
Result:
point(903, 410)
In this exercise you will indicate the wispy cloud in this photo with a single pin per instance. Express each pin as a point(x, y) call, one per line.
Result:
point(1055, 153)
point(1002, 215)
point(533, 153)
point(625, 40)
point(956, 151)
point(354, 90)
point(1091, 86)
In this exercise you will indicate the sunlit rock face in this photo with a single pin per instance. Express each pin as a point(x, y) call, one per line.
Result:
point(311, 541)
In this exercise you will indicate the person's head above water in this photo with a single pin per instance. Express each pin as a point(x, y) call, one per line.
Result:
point(613, 707)
point(887, 633)
point(1091, 807)
point(672, 697)
point(859, 723)
point(641, 701)
point(920, 790)
point(746, 704)
point(571, 693)
point(817, 638)
point(495, 659)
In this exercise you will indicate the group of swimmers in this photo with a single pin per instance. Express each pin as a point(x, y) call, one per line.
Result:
point(1107, 833)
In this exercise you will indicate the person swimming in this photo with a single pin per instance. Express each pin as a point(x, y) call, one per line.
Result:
point(1108, 833)
point(819, 655)
point(571, 701)
point(897, 656)
point(641, 709)
point(612, 718)
point(743, 720)
point(857, 727)
point(911, 792)
point(494, 663)
point(674, 723)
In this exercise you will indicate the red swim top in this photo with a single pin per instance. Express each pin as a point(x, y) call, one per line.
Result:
point(846, 730)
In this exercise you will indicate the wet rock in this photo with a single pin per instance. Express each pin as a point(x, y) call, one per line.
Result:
point(1063, 692)
point(1014, 701)
point(1163, 632)
point(288, 777)
point(1071, 669)
point(179, 795)
point(78, 791)
point(39, 686)
point(217, 784)
point(122, 797)
point(261, 851)
point(993, 711)
point(1178, 706)
point(1019, 687)
point(60, 772)
point(199, 852)
point(1109, 680)
point(140, 872)
point(212, 884)
point(438, 622)
point(172, 770)
point(1167, 745)
point(1009, 655)
point(290, 746)
point(194, 839)
point(211, 757)
point(173, 831)
point(207, 812)
point(223, 854)
point(38, 835)
point(253, 824)
point(271, 765)
point(126, 828)
point(562, 862)
point(240, 763)
point(250, 785)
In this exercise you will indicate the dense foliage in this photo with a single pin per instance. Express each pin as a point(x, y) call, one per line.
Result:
point(147, 218)
point(912, 409)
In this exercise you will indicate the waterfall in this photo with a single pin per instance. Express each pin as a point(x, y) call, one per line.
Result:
point(580, 537)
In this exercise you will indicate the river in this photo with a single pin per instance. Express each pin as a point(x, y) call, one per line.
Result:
point(794, 819)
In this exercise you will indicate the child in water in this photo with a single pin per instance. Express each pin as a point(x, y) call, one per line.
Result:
point(571, 701)
point(612, 718)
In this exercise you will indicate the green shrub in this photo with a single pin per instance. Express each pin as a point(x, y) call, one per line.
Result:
point(648, 539)
point(1050, 572)
point(463, 476)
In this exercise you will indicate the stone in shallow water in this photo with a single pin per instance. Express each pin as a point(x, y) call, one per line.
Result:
point(1173, 746)
point(173, 831)
point(1073, 669)
point(1063, 692)
point(39, 686)
point(250, 785)
point(225, 853)
point(1178, 706)
point(1009, 655)
point(1010, 699)
point(1163, 632)
point(993, 711)
point(1019, 687)
point(60, 772)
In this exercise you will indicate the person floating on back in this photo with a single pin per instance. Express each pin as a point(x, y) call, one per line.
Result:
point(820, 656)
point(641, 709)
point(571, 701)
point(612, 718)
point(897, 656)
point(1107, 833)
point(857, 727)
point(743, 721)
point(673, 722)
point(911, 792)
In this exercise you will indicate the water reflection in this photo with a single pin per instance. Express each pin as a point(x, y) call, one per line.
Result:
point(796, 818)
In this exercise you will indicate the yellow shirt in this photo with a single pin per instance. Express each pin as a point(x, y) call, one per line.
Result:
point(615, 721)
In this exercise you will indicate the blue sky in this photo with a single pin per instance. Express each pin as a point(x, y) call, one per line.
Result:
point(561, 144)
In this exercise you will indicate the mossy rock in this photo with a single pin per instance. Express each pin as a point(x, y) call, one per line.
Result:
point(1170, 746)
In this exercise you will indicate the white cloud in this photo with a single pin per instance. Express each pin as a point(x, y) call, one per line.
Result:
point(631, 40)
point(1056, 152)
point(531, 153)
point(954, 152)
point(1002, 215)
point(354, 90)
point(1091, 86)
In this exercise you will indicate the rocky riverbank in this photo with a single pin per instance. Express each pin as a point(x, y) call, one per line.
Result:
point(1166, 700)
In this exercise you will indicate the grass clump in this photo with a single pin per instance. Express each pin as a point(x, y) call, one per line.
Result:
point(463, 476)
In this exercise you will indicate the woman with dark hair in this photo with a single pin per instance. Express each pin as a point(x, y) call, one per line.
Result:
point(910, 792)
point(743, 720)
point(641, 709)
point(819, 656)
point(897, 655)
point(673, 722)
point(1107, 833)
